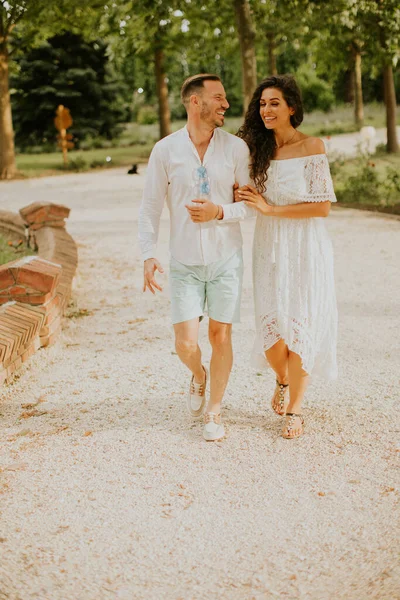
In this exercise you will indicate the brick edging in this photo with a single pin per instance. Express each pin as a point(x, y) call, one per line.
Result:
point(35, 290)
point(58, 246)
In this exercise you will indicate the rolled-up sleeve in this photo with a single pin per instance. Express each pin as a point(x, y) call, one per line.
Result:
point(154, 194)
point(238, 211)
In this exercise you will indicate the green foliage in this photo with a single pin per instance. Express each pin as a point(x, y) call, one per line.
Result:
point(90, 142)
point(100, 164)
point(391, 185)
point(70, 71)
point(363, 186)
point(147, 115)
point(313, 40)
point(381, 148)
point(368, 181)
point(196, 37)
point(317, 93)
point(75, 164)
point(136, 142)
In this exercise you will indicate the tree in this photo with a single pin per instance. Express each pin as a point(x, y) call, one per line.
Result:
point(282, 23)
point(66, 70)
point(35, 17)
point(340, 46)
point(153, 27)
point(9, 17)
point(210, 44)
point(382, 17)
point(156, 18)
point(356, 46)
point(247, 46)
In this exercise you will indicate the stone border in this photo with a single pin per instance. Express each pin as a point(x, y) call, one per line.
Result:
point(34, 290)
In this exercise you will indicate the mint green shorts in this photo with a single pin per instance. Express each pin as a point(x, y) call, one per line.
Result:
point(217, 286)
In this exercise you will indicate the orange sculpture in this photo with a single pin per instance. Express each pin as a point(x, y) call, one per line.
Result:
point(62, 122)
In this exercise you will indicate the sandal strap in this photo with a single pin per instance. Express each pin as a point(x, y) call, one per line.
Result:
point(294, 415)
point(281, 394)
point(284, 385)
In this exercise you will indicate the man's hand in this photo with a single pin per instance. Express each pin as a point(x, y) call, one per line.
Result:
point(203, 211)
point(151, 265)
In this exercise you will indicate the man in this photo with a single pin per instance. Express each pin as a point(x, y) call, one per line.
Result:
point(206, 255)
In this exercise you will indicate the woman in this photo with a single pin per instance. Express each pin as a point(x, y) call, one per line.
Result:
point(294, 289)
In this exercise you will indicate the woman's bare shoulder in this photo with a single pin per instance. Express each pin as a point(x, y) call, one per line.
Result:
point(313, 145)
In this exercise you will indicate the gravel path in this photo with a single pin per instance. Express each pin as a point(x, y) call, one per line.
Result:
point(110, 491)
point(349, 144)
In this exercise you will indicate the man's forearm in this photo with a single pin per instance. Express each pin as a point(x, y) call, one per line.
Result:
point(148, 226)
point(238, 211)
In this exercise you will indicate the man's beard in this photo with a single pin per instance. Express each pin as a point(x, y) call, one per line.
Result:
point(206, 115)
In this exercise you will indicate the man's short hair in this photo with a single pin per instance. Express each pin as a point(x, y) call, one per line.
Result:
point(194, 85)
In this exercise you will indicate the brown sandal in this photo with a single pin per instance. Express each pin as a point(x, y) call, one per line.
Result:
point(280, 390)
point(289, 426)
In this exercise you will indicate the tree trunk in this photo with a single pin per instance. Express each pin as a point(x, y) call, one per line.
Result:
point(7, 153)
point(247, 49)
point(390, 101)
point(272, 69)
point(162, 93)
point(349, 92)
point(358, 95)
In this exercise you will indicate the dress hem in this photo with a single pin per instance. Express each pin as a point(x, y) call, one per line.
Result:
point(259, 361)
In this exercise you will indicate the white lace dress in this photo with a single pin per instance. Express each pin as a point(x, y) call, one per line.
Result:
point(294, 288)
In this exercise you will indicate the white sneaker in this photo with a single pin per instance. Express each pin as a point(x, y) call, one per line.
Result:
point(213, 428)
point(196, 398)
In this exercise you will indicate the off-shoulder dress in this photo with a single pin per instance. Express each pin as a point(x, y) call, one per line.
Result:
point(294, 288)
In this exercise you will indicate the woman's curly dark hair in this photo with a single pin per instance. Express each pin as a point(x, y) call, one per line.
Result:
point(260, 140)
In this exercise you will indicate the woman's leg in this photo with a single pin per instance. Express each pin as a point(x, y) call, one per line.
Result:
point(278, 356)
point(298, 381)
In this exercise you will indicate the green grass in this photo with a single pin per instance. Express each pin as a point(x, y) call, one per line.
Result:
point(9, 253)
point(136, 141)
point(341, 120)
point(39, 165)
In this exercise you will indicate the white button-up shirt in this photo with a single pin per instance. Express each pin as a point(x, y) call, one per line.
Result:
point(170, 176)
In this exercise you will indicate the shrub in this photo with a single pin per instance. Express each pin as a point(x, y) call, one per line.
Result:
point(147, 115)
point(100, 164)
point(363, 186)
point(379, 148)
point(335, 166)
point(75, 164)
point(391, 185)
point(317, 94)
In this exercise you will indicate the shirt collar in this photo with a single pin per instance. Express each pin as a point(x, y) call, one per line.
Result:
point(211, 145)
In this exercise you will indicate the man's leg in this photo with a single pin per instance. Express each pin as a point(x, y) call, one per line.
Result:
point(220, 335)
point(187, 347)
point(223, 297)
